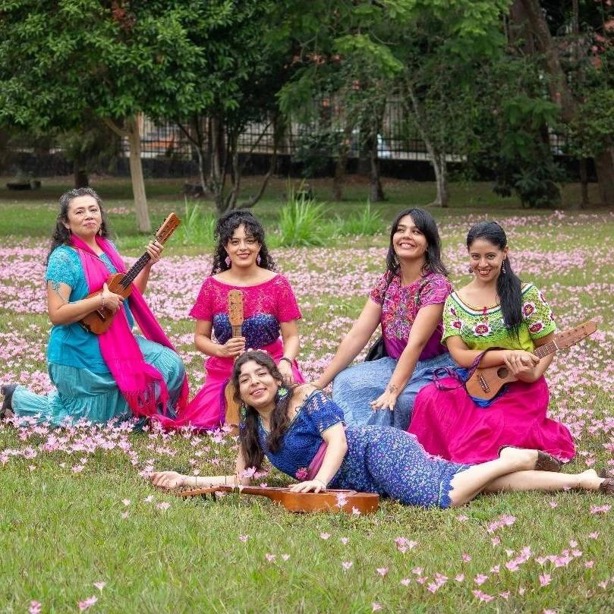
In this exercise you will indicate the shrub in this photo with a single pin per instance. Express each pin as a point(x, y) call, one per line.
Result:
point(301, 221)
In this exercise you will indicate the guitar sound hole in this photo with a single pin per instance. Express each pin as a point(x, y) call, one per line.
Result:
point(503, 372)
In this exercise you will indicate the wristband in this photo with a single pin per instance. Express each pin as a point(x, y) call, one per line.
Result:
point(321, 482)
point(286, 359)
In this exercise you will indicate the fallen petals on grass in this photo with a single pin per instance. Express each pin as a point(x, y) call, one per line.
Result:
point(87, 603)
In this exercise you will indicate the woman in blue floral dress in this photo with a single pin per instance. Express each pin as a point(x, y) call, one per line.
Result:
point(407, 303)
point(302, 433)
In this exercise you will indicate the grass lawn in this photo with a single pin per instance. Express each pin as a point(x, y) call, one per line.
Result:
point(80, 527)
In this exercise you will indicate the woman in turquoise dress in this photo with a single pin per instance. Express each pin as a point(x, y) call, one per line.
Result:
point(302, 433)
point(497, 314)
point(117, 374)
point(407, 303)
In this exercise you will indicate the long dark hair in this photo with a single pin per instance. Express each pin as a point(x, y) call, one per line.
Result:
point(425, 222)
point(224, 230)
point(61, 234)
point(251, 449)
point(509, 286)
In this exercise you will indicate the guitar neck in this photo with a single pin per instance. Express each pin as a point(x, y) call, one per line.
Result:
point(135, 269)
point(236, 330)
point(162, 234)
point(544, 350)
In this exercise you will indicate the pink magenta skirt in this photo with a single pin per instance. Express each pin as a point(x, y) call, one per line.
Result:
point(448, 422)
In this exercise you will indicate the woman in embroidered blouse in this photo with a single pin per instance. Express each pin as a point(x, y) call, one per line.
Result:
point(302, 433)
point(241, 261)
point(495, 310)
point(107, 376)
point(407, 302)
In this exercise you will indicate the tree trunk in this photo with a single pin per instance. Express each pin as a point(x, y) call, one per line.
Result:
point(438, 159)
point(604, 165)
point(143, 222)
point(133, 133)
point(583, 204)
point(440, 166)
point(80, 175)
point(341, 164)
point(376, 192)
point(217, 155)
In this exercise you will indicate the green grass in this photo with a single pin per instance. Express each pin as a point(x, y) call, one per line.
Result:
point(75, 511)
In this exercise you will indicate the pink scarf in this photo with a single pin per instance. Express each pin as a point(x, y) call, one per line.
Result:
point(136, 379)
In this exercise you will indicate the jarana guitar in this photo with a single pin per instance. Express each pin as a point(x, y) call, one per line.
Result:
point(99, 321)
point(349, 501)
point(235, 315)
point(486, 383)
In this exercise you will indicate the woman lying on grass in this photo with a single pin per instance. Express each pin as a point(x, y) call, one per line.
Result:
point(301, 432)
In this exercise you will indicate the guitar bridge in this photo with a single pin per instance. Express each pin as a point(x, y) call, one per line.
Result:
point(483, 383)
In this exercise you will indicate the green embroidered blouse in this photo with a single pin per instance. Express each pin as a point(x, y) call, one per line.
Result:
point(482, 329)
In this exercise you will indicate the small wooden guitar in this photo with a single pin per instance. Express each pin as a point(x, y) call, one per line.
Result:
point(486, 383)
point(99, 321)
point(349, 501)
point(235, 315)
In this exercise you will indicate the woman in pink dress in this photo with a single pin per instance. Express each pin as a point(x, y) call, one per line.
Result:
point(497, 314)
point(241, 261)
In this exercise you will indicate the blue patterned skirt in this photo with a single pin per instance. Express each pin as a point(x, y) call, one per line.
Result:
point(354, 389)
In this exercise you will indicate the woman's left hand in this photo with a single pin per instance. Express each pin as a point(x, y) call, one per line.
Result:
point(167, 479)
point(154, 249)
point(309, 486)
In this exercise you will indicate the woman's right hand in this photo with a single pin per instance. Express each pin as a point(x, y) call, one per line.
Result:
point(235, 346)
point(167, 479)
point(110, 300)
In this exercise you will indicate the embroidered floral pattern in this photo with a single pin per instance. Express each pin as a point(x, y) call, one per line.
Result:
point(484, 328)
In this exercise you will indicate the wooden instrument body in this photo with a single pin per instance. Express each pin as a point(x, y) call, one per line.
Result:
point(348, 501)
point(486, 383)
point(99, 321)
point(235, 315)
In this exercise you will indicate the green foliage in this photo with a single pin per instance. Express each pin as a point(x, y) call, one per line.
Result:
point(592, 129)
point(197, 226)
point(364, 222)
point(300, 221)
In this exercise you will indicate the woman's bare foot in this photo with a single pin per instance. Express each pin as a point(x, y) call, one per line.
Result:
point(589, 480)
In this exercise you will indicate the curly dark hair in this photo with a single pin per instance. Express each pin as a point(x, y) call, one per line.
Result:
point(61, 234)
point(428, 227)
point(249, 442)
point(509, 286)
point(225, 228)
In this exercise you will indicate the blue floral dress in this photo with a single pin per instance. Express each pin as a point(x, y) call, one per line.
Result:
point(379, 459)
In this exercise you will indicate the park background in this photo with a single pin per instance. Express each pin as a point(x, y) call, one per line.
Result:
point(499, 119)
